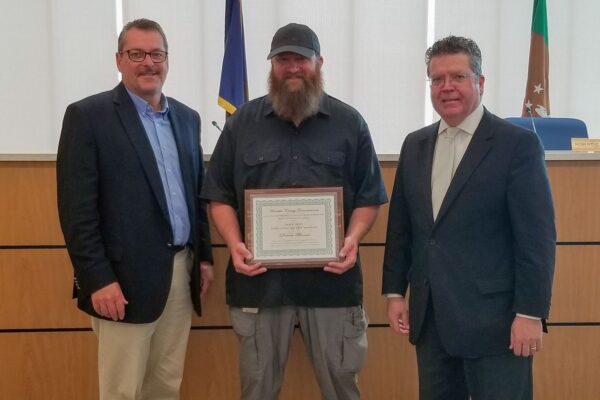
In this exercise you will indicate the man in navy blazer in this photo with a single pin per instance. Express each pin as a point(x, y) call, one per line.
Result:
point(129, 173)
point(471, 231)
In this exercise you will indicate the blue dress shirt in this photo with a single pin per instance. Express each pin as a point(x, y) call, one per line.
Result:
point(160, 133)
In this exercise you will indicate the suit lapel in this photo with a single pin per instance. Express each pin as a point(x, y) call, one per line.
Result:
point(426, 148)
point(137, 135)
point(480, 145)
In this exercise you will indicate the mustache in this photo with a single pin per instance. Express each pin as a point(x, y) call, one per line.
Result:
point(290, 75)
point(147, 70)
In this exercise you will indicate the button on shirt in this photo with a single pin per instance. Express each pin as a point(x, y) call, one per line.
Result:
point(160, 134)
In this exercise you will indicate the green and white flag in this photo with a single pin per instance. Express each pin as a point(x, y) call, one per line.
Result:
point(537, 92)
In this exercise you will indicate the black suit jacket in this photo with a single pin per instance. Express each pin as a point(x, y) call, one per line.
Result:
point(112, 207)
point(489, 254)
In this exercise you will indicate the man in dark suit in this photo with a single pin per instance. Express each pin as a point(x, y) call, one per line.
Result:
point(129, 172)
point(471, 231)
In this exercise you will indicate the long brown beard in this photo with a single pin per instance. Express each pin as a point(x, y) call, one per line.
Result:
point(296, 105)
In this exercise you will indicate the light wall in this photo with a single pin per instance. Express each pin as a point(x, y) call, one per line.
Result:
point(59, 51)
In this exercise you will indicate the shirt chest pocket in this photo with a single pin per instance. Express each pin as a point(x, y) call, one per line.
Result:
point(257, 157)
point(261, 166)
point(327, 167)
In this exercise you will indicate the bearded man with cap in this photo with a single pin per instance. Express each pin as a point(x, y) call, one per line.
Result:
point(296, 136)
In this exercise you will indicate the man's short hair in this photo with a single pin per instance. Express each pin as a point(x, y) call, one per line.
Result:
point(144, 25)
point(455, 45)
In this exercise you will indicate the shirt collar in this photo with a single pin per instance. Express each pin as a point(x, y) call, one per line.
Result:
point(144, 108)
point(469, 124)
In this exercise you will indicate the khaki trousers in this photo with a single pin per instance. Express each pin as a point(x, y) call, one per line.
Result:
point(145, 361)
point(335, 340)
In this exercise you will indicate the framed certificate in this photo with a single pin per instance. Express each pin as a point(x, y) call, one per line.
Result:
point(294, 228)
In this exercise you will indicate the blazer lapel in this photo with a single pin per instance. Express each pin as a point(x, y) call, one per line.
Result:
point(137, 135)
point(426, 148)
point(480, 145)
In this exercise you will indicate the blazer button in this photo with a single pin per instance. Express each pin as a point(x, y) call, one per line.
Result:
point(169, 245)
point(426, 282)
point(432, 242)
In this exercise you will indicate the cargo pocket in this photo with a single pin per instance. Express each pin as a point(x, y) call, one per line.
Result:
point(244, 325)
point(354, 340)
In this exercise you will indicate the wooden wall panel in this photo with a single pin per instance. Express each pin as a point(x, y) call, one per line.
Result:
point(373, 301)
point(576, 191)
point(576, 289)
point(567, 368)
point(36, 285)
point(211, 366)
point(35, 290)
point(391, 368)
point(378, 232)
point(28, 204)
point(48, 366)
point(214, 309)
point(62, 365)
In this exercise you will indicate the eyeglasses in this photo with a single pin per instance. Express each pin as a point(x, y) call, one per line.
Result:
point(138, 55)
point(436, 81)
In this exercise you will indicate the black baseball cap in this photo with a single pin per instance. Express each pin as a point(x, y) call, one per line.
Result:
point(295, 38)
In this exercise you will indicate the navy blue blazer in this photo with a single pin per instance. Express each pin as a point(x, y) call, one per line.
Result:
point(112, 207)
point(490, 253)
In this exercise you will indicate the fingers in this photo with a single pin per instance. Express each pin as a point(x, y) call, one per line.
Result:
point(398, 325)
point(525, 337)
point(250, 269)
point(207, 275)
point(401, 324)
point(397, 313)
point(348, 256)
point(340, 267)
point(239, 256)
point(109, 302)
point(120, 308)
point(527, 349)
point(113, 309)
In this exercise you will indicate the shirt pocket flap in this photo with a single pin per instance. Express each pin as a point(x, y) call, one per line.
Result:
point(333, 158)
point(260, 156)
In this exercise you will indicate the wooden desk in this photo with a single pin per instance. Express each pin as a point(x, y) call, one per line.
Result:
point(48, 351)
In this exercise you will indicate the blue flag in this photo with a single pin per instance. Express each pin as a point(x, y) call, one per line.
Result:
point(233, 91)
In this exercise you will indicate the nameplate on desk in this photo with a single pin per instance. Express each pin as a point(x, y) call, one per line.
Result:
point(585, 144)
